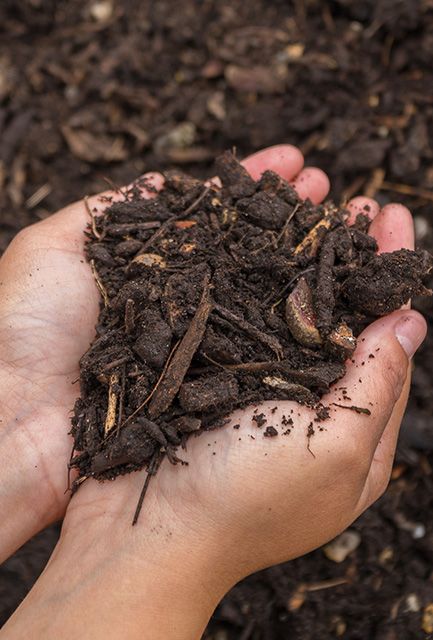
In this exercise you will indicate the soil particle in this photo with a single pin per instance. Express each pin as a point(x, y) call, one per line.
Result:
point(270, 432)
point(187, 332)
point(370, 65)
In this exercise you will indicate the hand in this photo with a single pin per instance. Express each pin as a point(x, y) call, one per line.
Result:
point(253, 503)
point(48, 310)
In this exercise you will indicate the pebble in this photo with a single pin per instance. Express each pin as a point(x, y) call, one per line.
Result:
point(342, 546)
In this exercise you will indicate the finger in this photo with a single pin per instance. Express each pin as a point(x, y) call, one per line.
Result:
point(374, 381)
point(361, 204)
point(312, 183)
point(284, 159)
point(381, 465)
point(393, 228)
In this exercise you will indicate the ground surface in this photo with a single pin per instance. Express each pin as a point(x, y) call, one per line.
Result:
point(92, 89)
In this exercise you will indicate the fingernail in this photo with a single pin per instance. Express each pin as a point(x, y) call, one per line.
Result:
point(410, 331)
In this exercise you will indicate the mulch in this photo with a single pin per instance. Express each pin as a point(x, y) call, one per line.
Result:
point(97, 91)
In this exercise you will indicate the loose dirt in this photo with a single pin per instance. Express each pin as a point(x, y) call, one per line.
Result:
point(215, 298)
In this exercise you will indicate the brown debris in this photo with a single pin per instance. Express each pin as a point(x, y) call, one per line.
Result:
point(175, 361)
point(110, 420)
point(341, 342)
point(300, 315)
point(181, 360)
point(310, 244)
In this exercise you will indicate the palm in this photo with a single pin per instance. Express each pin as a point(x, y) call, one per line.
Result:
point(47, 318)
point(47, 321)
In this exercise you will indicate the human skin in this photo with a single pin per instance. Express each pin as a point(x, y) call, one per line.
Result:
point(203, 527)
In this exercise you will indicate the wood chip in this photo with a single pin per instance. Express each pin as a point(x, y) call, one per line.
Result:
point(110, 420)
point(170, 384)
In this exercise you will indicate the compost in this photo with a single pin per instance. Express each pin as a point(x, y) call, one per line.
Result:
point(214, 298)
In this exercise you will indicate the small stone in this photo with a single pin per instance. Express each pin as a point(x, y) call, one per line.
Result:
point(386, 555)
point(216, 105)
point(295, 51)
point(427, 619)
point(101, 11)
point(297, 599)
point(342, 546)
point(180, 137)
point(413, 604)
point(150, 260)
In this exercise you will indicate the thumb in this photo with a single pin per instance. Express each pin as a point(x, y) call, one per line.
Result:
point(375, 377)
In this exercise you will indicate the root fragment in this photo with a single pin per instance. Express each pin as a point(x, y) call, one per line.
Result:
point(270, 341)
point(99, 284)
point(310, 244)
point(110, 420)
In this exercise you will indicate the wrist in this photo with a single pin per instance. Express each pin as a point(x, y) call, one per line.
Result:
point(161, 579)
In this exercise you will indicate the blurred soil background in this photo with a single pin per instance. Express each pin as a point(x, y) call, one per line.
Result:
point(99, 91)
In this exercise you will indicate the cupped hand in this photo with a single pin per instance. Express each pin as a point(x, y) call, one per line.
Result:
point(274, 499)
point(244, 501)
point(48, 310)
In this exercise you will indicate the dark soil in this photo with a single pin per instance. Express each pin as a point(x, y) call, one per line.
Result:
point(150, 87)
point(215, 298)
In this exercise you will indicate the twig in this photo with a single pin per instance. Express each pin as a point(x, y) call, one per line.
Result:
point(168, 222)
point(92, 218)
point(121, 400)
point(375, 183)
point(149, 397)
point(311, 240)
point(178, 366)
point(115, 187)
point(287, 286)
point(325, 584)
point(99, 284)
point(115, 363)
point(407, 189)
point(153, 468)
point(195, 204)
point(270, 341)
point(288, 221)
point(363, 410)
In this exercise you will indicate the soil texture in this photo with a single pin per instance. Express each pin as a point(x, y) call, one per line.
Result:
point(95, 89)
point(215, 298)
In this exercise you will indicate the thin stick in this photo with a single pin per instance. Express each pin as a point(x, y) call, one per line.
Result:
point(282, 291)
point(144, 403)
point(153, 468)
point(363, 410)
point(311, 240)
point(270, 341)
point(121, 400)
point(196, 202)
point(408, 190)
point(115, 187)
point(92, 218)
point(181, 361)
point(288, 221)
point(99, 284)
point(168, 222)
